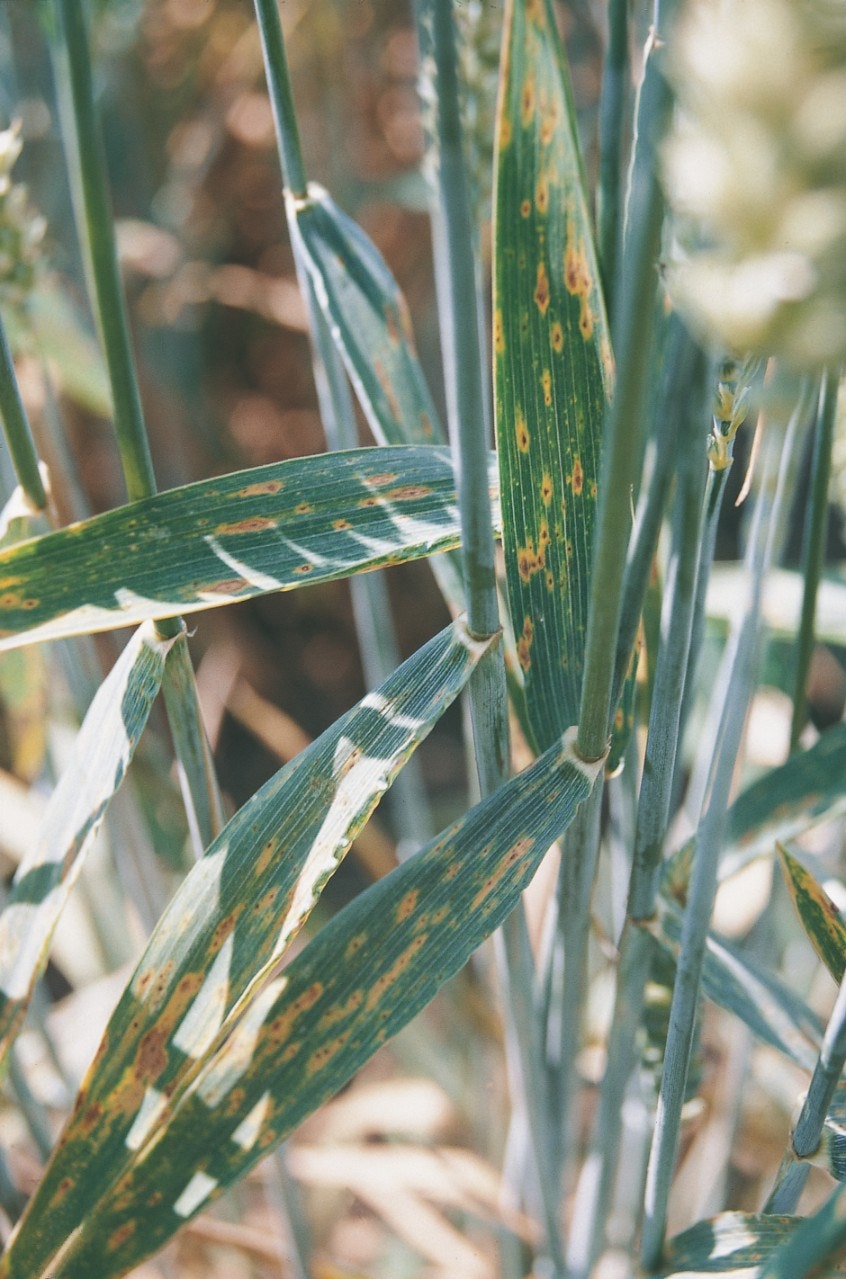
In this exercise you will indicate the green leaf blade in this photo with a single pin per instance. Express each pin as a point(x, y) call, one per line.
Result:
point(552, 368)
point(734, 1244)
point(312, 1027)
point(232, 919)
point(821, 920)
point(102, 752)
point(219, 541)
point(368, 319)
point(804, 791)
point(735, 982)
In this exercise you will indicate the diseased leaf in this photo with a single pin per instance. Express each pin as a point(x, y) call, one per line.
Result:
point(807, 789)
point(735, 982)
point(362, 978)
point(229, 923)
point(104, 746)
point(226, 539)
point(814, 1246)
point(368, 319)
point(820, 918)
point(734, 1244)
point(552, 366)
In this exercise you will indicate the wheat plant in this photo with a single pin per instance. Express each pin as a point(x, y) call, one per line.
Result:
point(661, 285)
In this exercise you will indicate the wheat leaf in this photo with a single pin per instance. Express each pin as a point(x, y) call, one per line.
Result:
point(232, 919)
point(368, 319)
point(102, 752)
point(552, 367)
point(222, 540)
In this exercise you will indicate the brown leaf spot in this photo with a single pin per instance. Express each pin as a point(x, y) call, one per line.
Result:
point(279, 1029)
point(556, 337)
point(387, 388)
point(524, 644)
point(407, 905)
point(64, 1187)
point(380, 480)
point(323, 1055)
point(546, 383)
point(527, 101)
point(255, 524)
point(578, 477)
point(530, 561)
point(341, 525)
point(119, 1237)
point(264, 905)
point(348, 762)
point(542, 195)
point(341, 1011)
point(302, 569)
point(398, 967)
point(89, 1121)
point(521, 430)
point(229, 586)
point(585, 320)
point(303, 508)
point(261, 488)
point(234, 1101)
point(546, 488)
point(151, 1059)
point(499, 335)
point(525, 208)
point(265, 857)
point(576, 273)
point(549, 120)
point(542, 290)
point(505, 864)
point(355, 944)
point(504, 132)
point(223, 928)
point(409, 493)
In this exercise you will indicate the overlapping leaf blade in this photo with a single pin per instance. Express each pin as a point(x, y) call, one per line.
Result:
point(552, 367)
point(102, 752)
point(230, 921)
point(815, 1246)
point(735, 982)
point(368, 319)
point(820, 918)
point(222, 540)
point(734, 1244)
point(363, 977)
point(808, 788)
